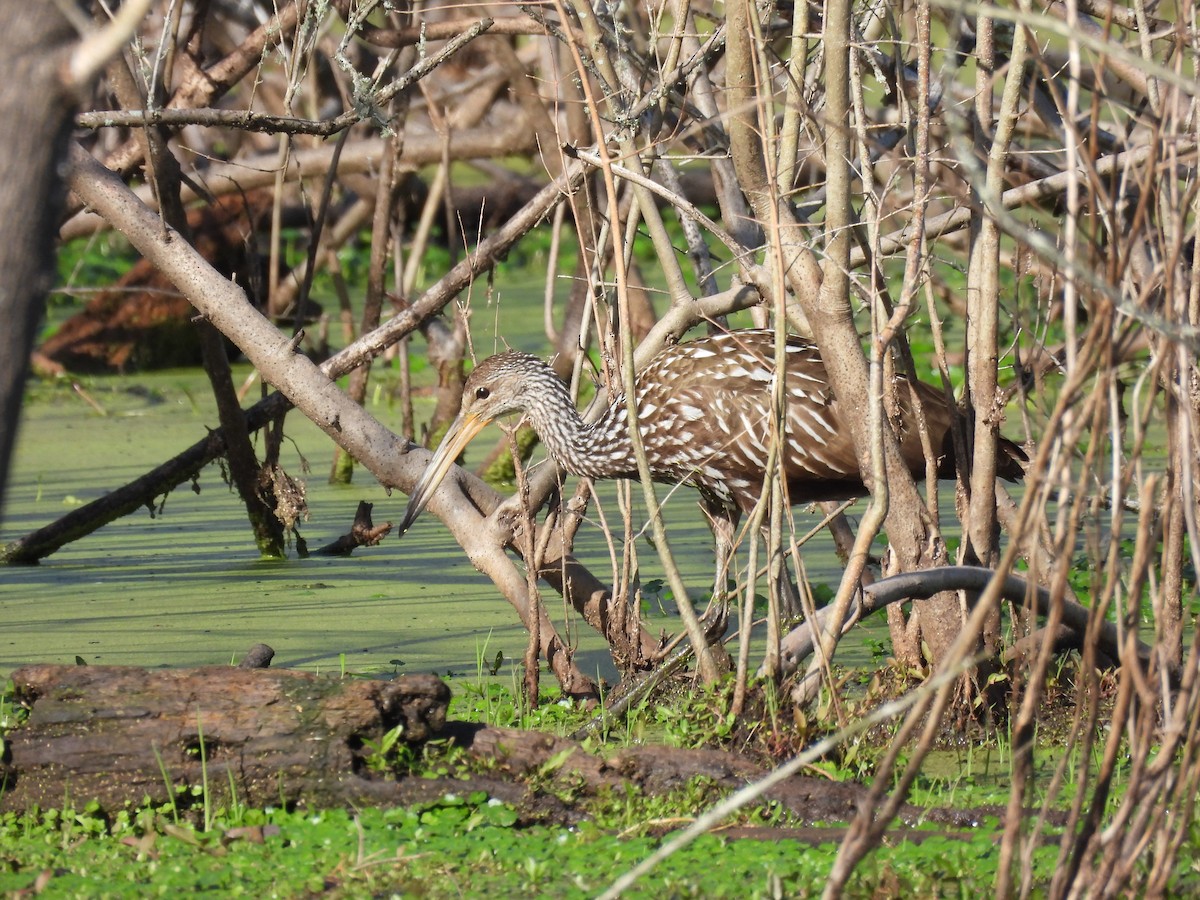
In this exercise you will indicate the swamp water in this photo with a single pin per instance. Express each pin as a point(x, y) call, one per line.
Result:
point(186, 587)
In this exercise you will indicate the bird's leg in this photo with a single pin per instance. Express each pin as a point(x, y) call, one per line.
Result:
point(787, 591)
point(723, 523)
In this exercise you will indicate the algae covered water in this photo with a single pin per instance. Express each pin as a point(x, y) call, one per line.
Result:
point(183, 585)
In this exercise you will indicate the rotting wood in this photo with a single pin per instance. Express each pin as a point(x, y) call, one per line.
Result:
point(115, 735)
point(141, 322)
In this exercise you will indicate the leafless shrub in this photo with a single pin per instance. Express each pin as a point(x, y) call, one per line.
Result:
point(999, 191)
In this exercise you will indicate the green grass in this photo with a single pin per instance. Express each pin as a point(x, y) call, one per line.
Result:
point(470, 843)
point(466, 842)
point(457, 846)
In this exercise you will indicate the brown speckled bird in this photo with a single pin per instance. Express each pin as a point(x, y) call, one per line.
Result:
point(703, 410)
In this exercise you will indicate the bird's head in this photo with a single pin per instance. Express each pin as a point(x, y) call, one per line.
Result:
point(502, 384)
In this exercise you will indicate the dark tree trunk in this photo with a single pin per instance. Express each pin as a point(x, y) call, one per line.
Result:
point(37, 111)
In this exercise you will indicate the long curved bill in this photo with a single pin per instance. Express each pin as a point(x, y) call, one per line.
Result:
point(460, 433)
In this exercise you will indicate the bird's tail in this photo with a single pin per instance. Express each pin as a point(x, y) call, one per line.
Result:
point(1010, 460)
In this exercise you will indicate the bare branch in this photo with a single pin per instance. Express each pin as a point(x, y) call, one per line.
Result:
point(246, 120)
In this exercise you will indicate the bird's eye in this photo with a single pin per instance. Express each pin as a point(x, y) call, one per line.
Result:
point(482, 393)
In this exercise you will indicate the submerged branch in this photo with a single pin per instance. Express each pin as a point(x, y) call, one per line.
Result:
point(798, 644)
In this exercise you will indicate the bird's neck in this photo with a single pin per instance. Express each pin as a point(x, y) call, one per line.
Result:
point(600, 449)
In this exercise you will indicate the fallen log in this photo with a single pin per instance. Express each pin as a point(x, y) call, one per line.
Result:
point(142, 322)
point(125, 737)
point(117, 736)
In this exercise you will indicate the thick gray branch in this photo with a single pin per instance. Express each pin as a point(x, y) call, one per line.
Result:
point(797, 646)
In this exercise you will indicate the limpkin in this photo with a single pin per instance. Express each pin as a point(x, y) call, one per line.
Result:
point(703, 410)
